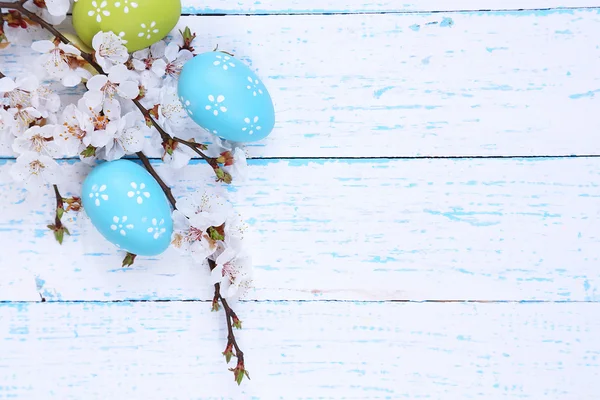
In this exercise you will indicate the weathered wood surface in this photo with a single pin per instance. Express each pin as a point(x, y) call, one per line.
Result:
point(504, 229)
point(301, 350)
point(416, 85)
point(410, 79)
point(362, 6)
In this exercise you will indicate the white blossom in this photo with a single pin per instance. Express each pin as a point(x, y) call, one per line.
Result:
point(171, 114)
point(105, 125)
point(128, 138)
point(175, 59)
point(109, 50)
point(102, 89)
point(232, 273)
point(38, 139)
point(150, 88)
point(23, 116)
point(191, 240)
point(17, 35)
point(18, 92)
point(144, 58)
point(45, 100)
point(35, 169)
point(239, 169)
point(54, 11)
point(74, 126)
point(179, 156)
point(7, 122)
point(60, 61)
point(205, 209)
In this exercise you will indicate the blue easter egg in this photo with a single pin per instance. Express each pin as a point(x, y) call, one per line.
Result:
point(222, 95)
point(128, 207)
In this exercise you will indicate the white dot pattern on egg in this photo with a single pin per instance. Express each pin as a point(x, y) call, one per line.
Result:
point(221, 94)
point(128, 207)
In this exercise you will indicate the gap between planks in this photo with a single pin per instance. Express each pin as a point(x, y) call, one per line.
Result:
point(456, 301)
point(390, 12)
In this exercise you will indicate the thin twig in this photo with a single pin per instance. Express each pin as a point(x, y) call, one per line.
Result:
point(162, 184)
point(194, 146)
point(59, 205)
point(230, 315)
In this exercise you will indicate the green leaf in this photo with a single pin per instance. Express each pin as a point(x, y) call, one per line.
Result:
point(239, 376)
point(228, 356)
point(59, 234)
point(237, 324)
point(215, 306)
point(129, 260)
point(227, 177)
point(89, 151)
point(60, 212)
point(214, 234)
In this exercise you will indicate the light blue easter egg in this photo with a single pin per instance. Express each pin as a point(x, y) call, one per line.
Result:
point(128, 207)
point(225, 97)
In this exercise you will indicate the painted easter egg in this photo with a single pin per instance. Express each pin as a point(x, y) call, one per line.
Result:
point(140, 22)
point(225, 97)
point(128, 207)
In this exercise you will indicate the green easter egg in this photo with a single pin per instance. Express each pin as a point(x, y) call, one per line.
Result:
point(140, 22)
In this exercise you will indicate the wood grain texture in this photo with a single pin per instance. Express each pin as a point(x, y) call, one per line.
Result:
point(362, 6)
point(503, 229)
point(479, 83)
point(301, 350)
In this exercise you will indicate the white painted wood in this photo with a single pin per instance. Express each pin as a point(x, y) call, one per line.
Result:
point(489, 84)
point(504, 229)
point(332, 350)
point(358, 6)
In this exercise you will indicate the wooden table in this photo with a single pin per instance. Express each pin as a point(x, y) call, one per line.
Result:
point(425, 220)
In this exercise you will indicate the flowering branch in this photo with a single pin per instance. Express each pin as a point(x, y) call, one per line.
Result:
point(19, 5)
point(232, 321)
point(208, 231)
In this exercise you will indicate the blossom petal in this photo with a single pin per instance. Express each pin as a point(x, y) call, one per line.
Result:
point(128, 90)
point(96, 83)
point(7, 85)
point(43, 46)
point(159, 67)
point(171, 51)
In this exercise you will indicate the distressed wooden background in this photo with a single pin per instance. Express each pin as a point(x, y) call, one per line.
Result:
point(425, 220)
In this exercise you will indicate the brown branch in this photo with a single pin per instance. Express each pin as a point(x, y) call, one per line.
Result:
point(231, 318)
point(2, 75)
point(59, 205)
point(194, 146)
point(162, 184)
point(58, 228)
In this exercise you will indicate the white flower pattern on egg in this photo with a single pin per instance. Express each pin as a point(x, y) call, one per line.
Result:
point(139, 192)
point(254, 86)
point(251, 125)
point(216, 106)
point(97, 192)
point(119, 224)
point(126, 3)
point(186, 105)
point(156, 229)
point(148, 30)
point(98, 10)
point(224, 62)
